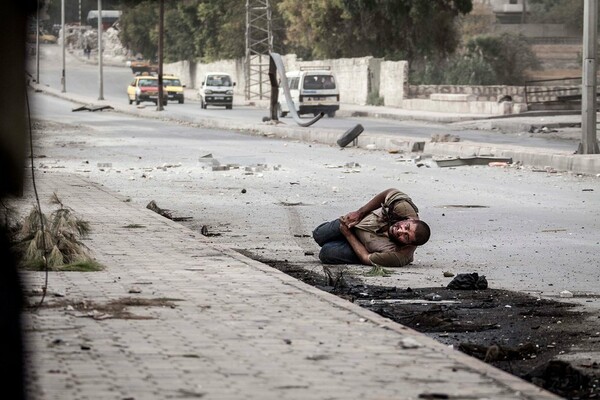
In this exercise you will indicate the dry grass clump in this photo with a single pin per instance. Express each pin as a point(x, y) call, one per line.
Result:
point(54, 240)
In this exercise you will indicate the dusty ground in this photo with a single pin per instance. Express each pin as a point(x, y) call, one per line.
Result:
point(515, 332)
point(524, 339)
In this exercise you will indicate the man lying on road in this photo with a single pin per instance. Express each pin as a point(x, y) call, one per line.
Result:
point(386, 232)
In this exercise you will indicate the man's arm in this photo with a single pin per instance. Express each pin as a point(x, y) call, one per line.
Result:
point(360, 250)
point(354, 217)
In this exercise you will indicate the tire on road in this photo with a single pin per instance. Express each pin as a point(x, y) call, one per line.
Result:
point(350, 135)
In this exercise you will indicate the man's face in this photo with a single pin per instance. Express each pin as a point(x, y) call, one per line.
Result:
point(403, 231)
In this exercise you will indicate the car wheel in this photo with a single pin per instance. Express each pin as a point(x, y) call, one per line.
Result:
point(331, 114)
point(181, 100)
point(202, 104)
point(137, 101)
point(228, 107)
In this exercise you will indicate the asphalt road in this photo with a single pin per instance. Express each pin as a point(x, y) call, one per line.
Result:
point(528, 231)
point(82, 79)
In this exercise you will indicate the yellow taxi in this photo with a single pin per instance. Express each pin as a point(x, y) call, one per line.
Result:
point(144, 87)
point(174, 88)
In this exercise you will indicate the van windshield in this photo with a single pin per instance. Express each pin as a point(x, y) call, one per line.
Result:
point(218, 80)
point(319, 82)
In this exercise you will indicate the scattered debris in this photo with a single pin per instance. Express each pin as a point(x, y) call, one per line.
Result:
point(433, 297)
point(554, 230)
point(547, 169)
point(444, 138)
point(93, 108)
point(448, 274)
point(543, 129)
point(154, 207)
point(497, 352)
point(164, 212)
point(204, 231)
point(409, 343)
point(566, 294)
point(135, 290)
point(378, 270)
point(468, 282)
point(474, 160)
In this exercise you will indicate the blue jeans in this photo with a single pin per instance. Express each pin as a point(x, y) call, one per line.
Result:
point(335, 249)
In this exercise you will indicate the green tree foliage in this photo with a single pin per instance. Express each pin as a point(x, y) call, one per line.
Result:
point(206, 29)
point(509, 55)
point(139, 28)
point(221, 33)
point(485, 60)
point(394, 29)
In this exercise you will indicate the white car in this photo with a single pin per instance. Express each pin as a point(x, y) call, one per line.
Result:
point(217, 90)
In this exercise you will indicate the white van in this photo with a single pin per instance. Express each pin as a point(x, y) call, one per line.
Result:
point(216, 89)
point(313, 90)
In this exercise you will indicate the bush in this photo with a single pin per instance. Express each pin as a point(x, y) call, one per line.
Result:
point(485, 60)
point(373, 99)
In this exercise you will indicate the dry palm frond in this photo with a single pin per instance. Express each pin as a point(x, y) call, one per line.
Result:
point(33, 223)
point(55, 259)
point(60, 243)
point(54, 199)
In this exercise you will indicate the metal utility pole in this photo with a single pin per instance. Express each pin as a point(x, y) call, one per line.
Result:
point(161, 26)
point(100, 75)
point(259, 43)
point(63, 78)
point(589, 142)
point(37, 42)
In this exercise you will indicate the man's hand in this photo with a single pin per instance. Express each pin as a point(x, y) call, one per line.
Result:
point(351, 219)
point(344, 228)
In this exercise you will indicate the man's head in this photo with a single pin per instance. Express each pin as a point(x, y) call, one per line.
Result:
point(409, 231)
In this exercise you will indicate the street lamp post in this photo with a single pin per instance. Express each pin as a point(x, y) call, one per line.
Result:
point(589, 143)
point(161, 18)
point(63, 78)
point(37, 42)
point(100, 75)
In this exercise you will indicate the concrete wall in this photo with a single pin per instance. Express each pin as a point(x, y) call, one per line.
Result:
point(394, 82)
point(357, 77)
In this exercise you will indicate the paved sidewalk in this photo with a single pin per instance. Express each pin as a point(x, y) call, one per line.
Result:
point(235, 329)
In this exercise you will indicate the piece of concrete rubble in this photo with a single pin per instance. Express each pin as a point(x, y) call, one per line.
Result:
point(409, 343)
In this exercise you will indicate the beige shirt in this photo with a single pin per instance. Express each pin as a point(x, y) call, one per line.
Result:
point(372, 233)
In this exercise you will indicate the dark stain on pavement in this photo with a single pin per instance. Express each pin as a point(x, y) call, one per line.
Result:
point(515, 332)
